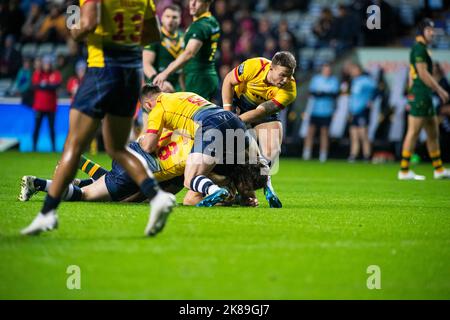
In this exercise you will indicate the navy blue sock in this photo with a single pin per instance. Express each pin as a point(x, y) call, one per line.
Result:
point(40, 184)
point(73, 193)
point(50, 204)
point(149, 188)
point(85, 182)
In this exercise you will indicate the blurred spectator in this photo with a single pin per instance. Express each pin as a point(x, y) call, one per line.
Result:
point(283, 29)
point(10, 59)
point(243, 49)
point(287, 43)
point(33, 23)
point(53, 28)
point(45, 83)
point(66, 69)
point(226, 52)
point(263, 32)
point(444, 112)
point(323, 27)
point(221, 11)
point(345, 30)
point(22, 84)
point(11, 17)
point(362, 92)
point(74, 81)
point(229, 31)
point(324, 89)
point(270, 47)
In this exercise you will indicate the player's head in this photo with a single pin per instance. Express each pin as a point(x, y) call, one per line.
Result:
point(282, 68)
point(355, 70)
point(171, 18)
point(199, 7)
point(149, 93)
point(426, 29)
point(249, 177)
point(325, 70)
point(47, 63)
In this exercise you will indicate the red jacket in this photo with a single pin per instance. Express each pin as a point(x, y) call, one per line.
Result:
point(45, 85)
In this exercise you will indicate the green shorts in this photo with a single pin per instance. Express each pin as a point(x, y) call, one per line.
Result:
point(203, 85)
point(421, 104)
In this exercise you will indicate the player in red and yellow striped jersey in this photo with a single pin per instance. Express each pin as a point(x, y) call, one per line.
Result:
point(258, 89)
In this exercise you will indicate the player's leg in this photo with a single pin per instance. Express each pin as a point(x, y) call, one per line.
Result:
point(270, 135)
point(198, 166)
point(115, 132)
point(308, 145)
point(94, 170)
point(431, 127)
point(81, 130)
point(366, 145)
point(30, 185)
point(354, 144)
point(324, 143)
point(415, 124)
point(51, 124)
point(37, 126)
point(192, 198)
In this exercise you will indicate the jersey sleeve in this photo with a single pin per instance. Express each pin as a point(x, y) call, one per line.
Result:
point(155, 120)
point(249, 69)
point(151, 47)
point(198, 31)
point(286, 96)
point(419, 54)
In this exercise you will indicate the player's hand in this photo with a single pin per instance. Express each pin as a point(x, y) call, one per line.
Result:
point(159, 79)
point(443, 95)
point(249, 202)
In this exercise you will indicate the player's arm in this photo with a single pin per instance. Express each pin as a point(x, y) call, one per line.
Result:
point(182, 82)
point(149, 141)
point(148, 59)
point(150, 26)
point(90, 14)
point(428, 79)
point(192, 47)
point(263, 110)
point(229, 82)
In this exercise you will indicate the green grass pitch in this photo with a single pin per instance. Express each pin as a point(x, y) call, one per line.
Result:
point(337, 220)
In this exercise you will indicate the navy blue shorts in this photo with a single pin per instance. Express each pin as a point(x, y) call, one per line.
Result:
point(119, 183)
point(320, 122)
point(218, 120)
point(361, 119)
point(113, 90)
point(245, 106)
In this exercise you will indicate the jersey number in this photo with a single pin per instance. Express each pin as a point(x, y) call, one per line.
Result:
point(166, 151)
point(135, 35)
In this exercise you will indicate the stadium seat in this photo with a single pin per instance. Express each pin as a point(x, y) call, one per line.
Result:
point(45, 48)
point(29, 50)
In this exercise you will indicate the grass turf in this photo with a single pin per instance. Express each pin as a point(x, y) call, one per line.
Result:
point(337, 219)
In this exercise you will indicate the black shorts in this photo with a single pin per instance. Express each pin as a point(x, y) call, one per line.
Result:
point(113, 90)
point(215, 121)
point(245, 106)
point(361, 119)
point(320, 122)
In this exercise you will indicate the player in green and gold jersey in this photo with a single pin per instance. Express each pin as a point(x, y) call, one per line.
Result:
point(158, 55)
point(422, 113)
point(198, 59)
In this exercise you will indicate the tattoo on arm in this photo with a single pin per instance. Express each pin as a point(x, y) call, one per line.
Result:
point(269, 107)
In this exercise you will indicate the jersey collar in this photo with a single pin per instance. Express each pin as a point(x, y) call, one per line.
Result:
point(421, 40)
point(168, 34)
point(205, 15)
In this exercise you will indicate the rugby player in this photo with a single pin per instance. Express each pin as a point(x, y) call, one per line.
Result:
point(158, 55)
point(114, 31)
point(258, 89)
point(197, 118)
point(199, 56)
point(422, 113)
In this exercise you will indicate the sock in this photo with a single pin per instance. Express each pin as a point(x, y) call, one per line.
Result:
point(203, 185)
point(50, 204)
point(436, 160)
point(269, 182)
point(404, 164)
point(149, 188)
point(72, 193)
point(306, 154)
point(85, 182)
point(91, 168)
point(42, 184)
